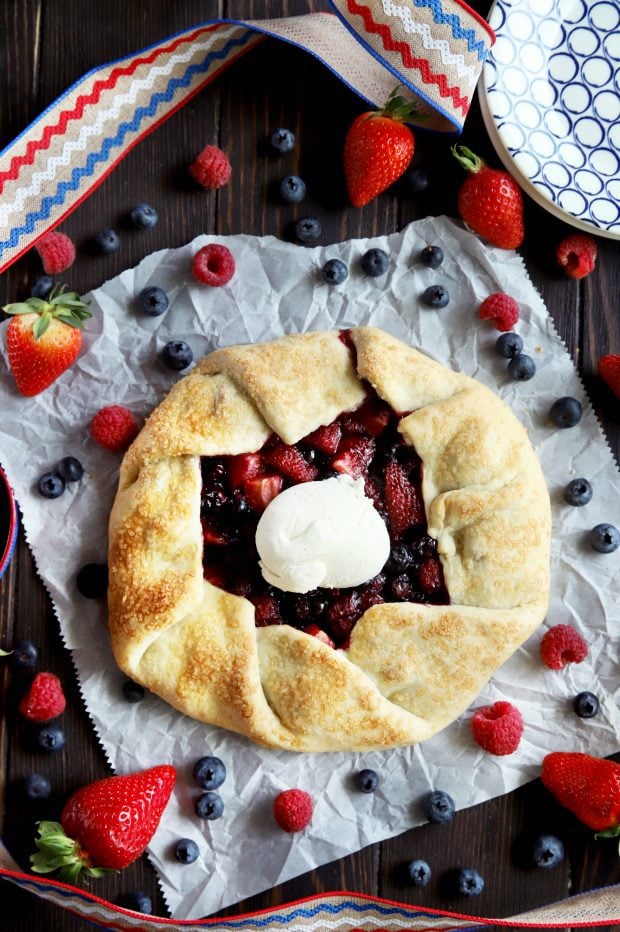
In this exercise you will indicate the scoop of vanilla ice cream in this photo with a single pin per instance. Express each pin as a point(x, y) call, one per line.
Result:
point(325, 533)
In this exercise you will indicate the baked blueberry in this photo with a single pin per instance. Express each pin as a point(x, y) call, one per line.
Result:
point(283, 140)
point(375, 262)
point(578, 492)
point(153, 301)
point(186, 851)
point(51, 737)
point(586, 705)
point(92, 580)
point(438, 806)
point(177, 355)
point(435, 296)
point(522, 368)
point(419, 872)
point(605, 538)
point(70, 469)
point(36, 786)
point(431, 257)
point(547, 851)
point(565, 412)
point(209, 772)
point(366, 781)
point(143, 216)
point(292, 189)
point(133, 692)
point(308, 229)
point(209, 806)
point(334, 272)
point(470, 882)
point(107, 241)
point(509, 344)
point(51, 485)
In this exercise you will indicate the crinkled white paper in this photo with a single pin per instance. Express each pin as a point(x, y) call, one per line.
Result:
point(278, 289)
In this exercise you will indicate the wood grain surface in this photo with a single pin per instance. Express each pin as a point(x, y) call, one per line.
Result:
point(45, 47)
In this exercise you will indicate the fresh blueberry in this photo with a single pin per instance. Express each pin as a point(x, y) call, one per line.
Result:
point(36, 786)
point(51, 737)
point(605, 538)
point(177, 355)
point(547, 851)
point(51, 485)
point(143, 216)
point(366, 781)
point(107, 241)
point(138, 901)
point(283, 140)
point(133, 692)
point(586, 705)
point(70, 469)
point(435, 296)
point(292, 189)
point(153, 301)
point(417, 181)
point(578, 492)
point(25, 654)
point(470, 882)
point(92, 580)
point(565, 412)
point(334, 272)
point(522, 368)
point(438, 806)
point(186, 851)
point(375, 262)
point(209, 772)
point(308, 229)
point(419, 872)
point(431, 257)
point(209, 806)
point(42, 287)
point(509, 344)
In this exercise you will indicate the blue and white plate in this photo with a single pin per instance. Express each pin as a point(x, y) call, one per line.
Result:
point(550, 99)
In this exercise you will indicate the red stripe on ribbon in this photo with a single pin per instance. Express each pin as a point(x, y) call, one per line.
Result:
point(391, 45)
point(19, 161)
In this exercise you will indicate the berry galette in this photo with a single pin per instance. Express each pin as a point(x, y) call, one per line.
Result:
point(326, 542)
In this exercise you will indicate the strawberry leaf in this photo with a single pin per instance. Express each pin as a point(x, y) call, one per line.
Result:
point(41, 325)
point(57, 851)
point(5, 653)
point(21, 307)
point(613, 832)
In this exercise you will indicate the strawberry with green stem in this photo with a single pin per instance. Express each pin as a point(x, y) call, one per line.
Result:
point(378, 149)
point(588, 786)
point(44, 338)
point(490, 201)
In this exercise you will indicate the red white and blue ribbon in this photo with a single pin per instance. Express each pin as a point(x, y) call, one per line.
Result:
point(435, 48)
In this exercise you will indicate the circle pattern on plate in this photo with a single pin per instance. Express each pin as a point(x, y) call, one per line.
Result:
point(552, 91)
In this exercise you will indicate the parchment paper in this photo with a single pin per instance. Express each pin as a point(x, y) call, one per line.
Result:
point(278, 289)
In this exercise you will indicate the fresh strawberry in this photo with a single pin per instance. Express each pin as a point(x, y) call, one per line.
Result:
point(104, 826)
point(290, 461)
point(353, 456)
point(319, 634)
point(404, 507)
point(490, 201)
point(588, 786)
point(44, 700)
point(260, 490)
point(326, 438)
point(378, 149)
point(44, 338)
point(609, 371)
point(576, 255)
point(243, 466)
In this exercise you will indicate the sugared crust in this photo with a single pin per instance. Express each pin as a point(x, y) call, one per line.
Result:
point(410, 669)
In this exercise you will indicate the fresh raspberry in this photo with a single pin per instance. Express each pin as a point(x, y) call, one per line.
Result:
point(576, 255)
point(213, 265)
point(609, 371)
point(211, 168)
point(44, 700)
point(497, 728)
point(114, 427)
point(292, 810)
point(57, 252)
point(560, 645)
point(501, 309)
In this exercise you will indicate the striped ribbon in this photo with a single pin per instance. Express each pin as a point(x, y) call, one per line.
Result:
point(435, 48)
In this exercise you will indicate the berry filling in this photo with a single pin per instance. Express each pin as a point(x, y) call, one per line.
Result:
point(363, 443)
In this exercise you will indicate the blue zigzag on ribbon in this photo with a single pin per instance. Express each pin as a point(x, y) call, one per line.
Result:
point(452, 20)
point(84, 171)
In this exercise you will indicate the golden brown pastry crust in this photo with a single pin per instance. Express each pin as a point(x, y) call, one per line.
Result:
point(410, 669)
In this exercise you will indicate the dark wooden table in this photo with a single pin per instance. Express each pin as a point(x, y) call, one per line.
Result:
point(47, 46)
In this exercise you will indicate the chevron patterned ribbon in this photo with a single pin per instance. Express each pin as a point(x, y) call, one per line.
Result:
point(435, 48)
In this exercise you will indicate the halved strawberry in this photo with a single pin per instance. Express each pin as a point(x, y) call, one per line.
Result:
point(319, 634)
point(430, 576)
point(354, 456)
point(290, 461)
point(260, 490)
point(372, 417)
point(326, 438)
point(243, 466)
point(405, 509)
point(266, 611)
point(373, 490)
